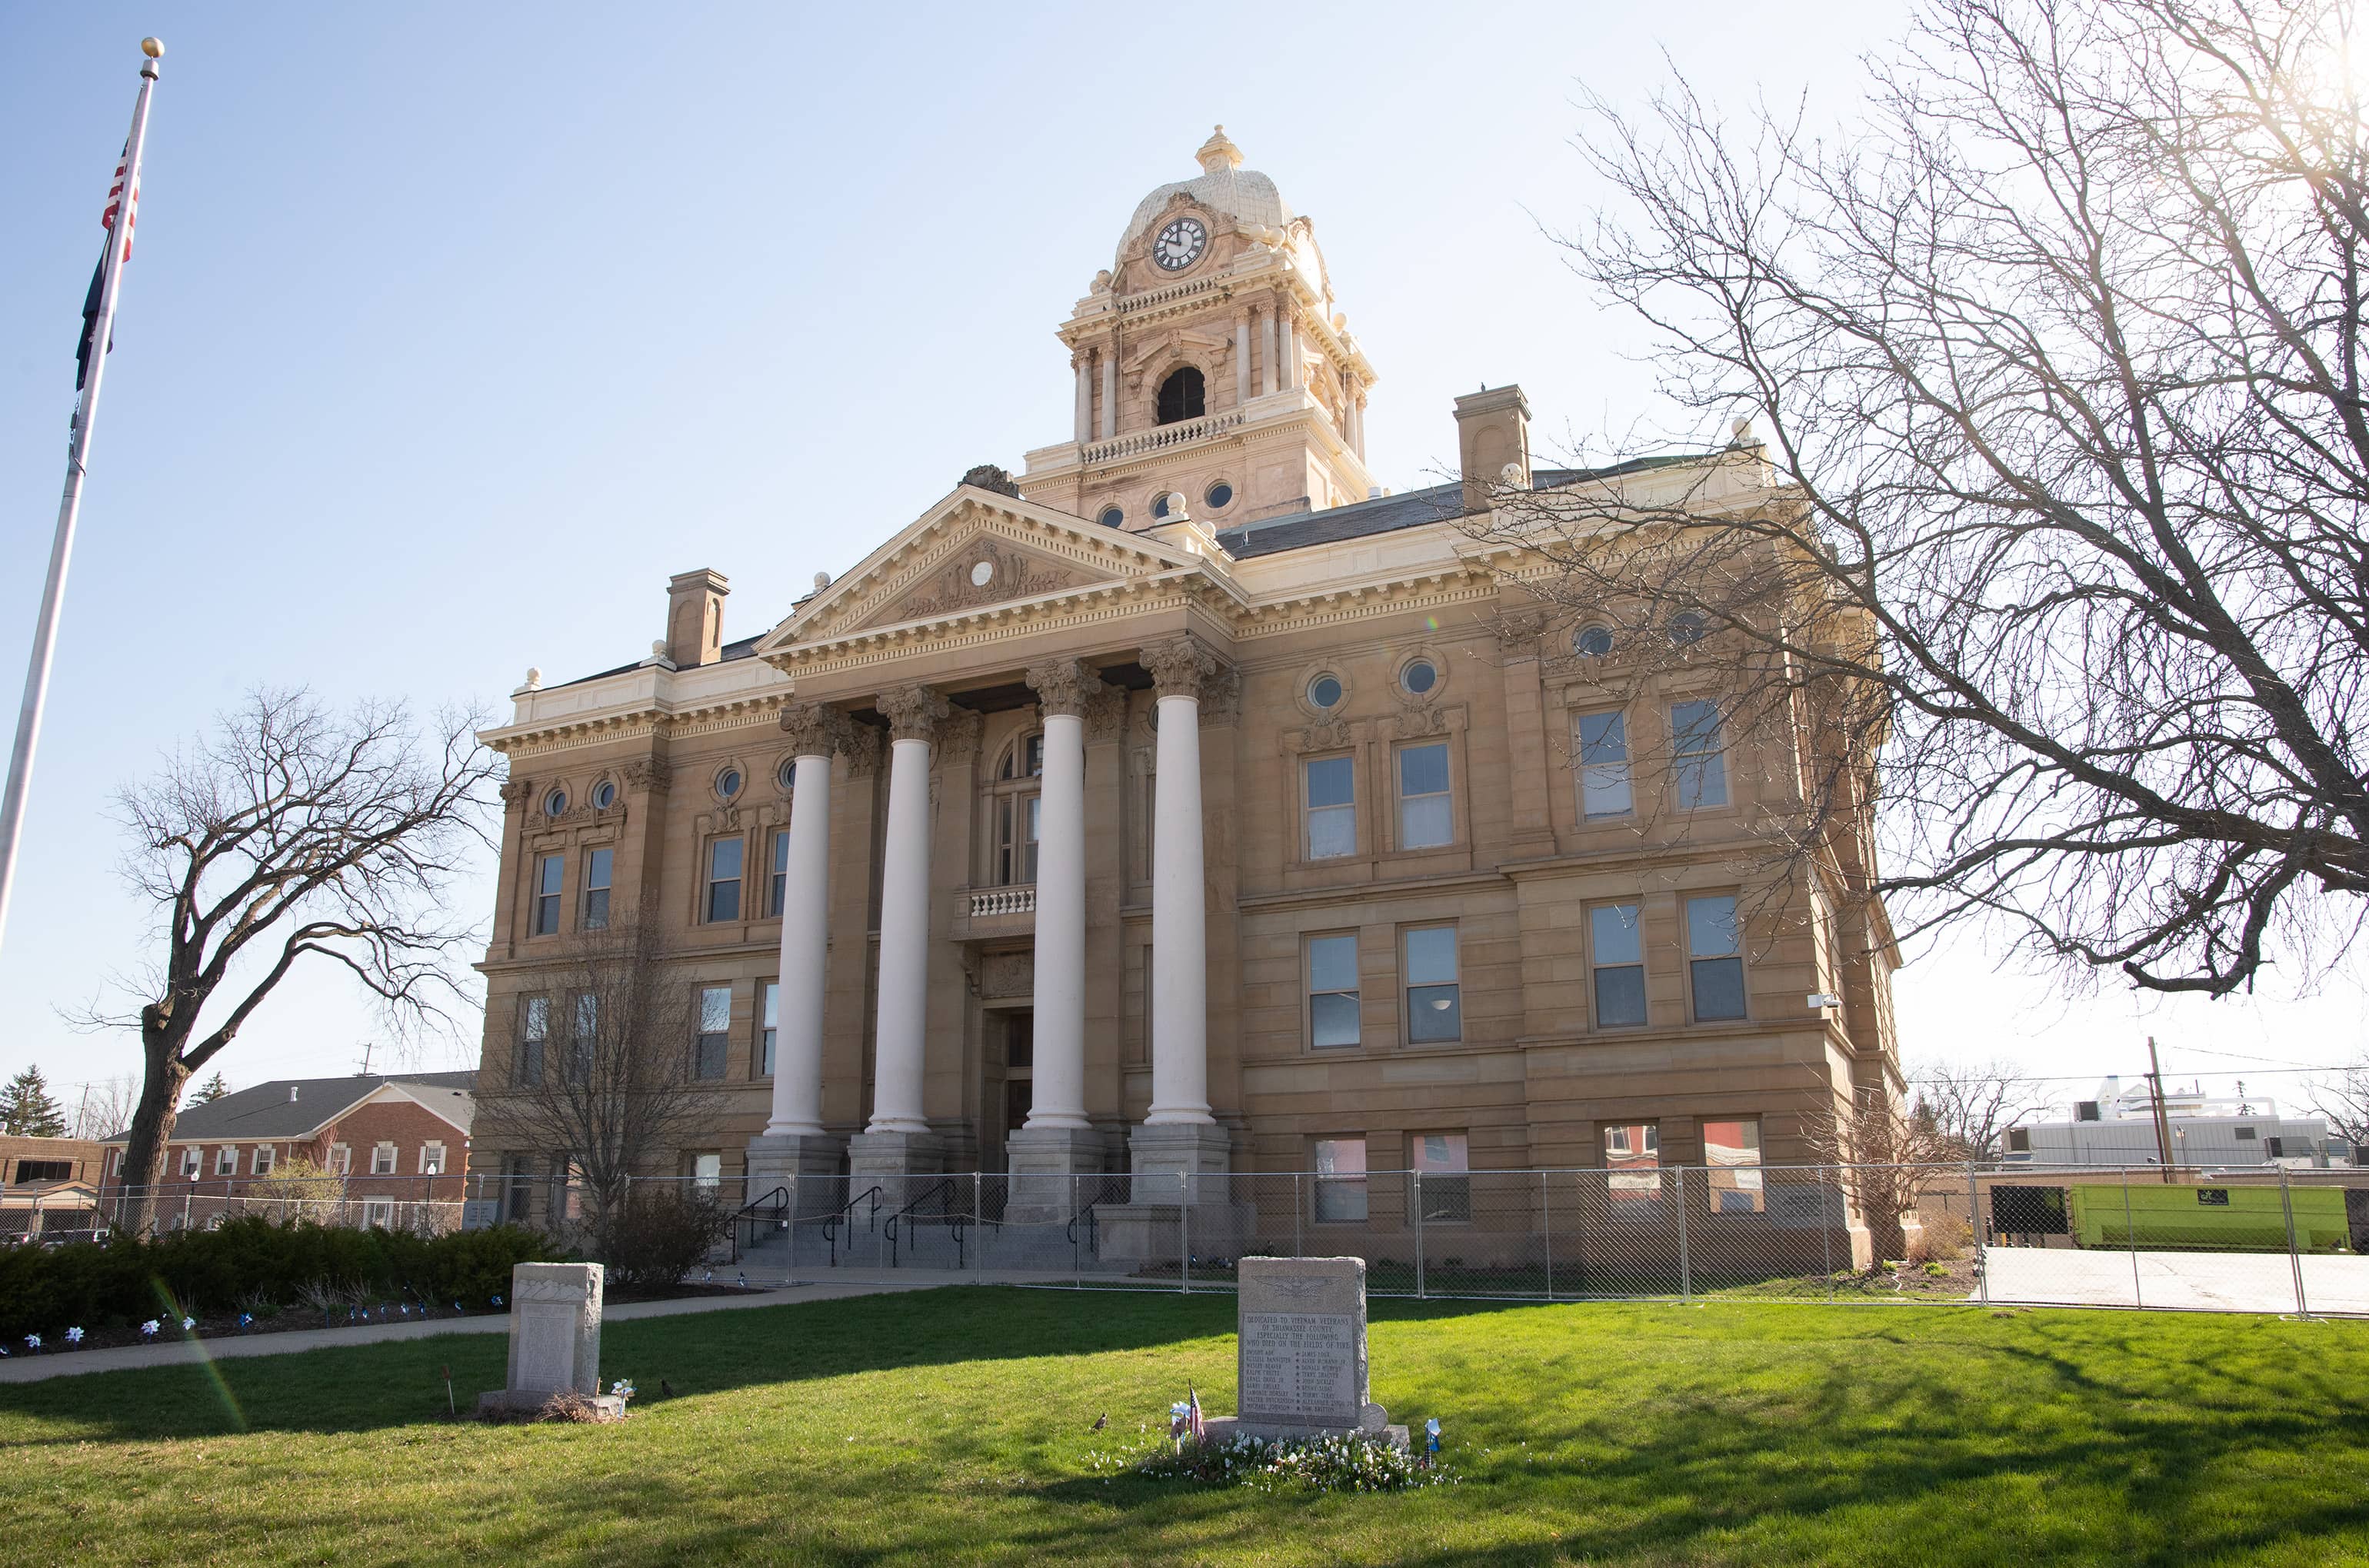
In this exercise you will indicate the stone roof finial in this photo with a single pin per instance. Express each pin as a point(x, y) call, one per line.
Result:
point(1217, 153)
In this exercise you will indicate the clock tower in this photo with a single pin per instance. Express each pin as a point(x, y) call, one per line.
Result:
point(1210, 361)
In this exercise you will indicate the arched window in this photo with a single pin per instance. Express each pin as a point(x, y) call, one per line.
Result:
point(1013, 806)
point(1182, 397)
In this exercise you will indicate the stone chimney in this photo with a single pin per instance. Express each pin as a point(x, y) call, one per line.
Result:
point(695, 617)
point(1493, 433)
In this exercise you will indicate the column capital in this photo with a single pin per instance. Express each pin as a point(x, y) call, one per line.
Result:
point(1062, 686)
point(913, 713)
point(816, 730)
point(1182, 666)
point(647, 772)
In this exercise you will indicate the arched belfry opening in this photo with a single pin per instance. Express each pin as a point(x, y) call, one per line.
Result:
point(1183, 397)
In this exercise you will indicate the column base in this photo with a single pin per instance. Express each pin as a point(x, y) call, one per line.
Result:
point(1166, 1156)
point(1046, 1163)
point(805, 1162)
point(889, 1160)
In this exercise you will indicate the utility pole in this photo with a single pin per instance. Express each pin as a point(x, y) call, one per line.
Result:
point(2162, 1121)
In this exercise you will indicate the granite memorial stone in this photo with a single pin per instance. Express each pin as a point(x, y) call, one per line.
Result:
point(1299, 1356)
point(554, 1338)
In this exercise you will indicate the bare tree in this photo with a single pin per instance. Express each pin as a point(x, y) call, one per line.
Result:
point(602, 1071)
point(1972, 1104)
point(1887, 1158)
point(2062, 502)
point(290, 832)
point(2344, 1102)
point(105, 1107)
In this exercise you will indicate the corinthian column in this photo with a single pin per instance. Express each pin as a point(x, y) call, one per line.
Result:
point(901, 1009)
point(1062, 686)
point(1242, 358)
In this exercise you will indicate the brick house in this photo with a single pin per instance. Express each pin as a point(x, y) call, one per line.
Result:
point(48, 1186)
point(396, 1147)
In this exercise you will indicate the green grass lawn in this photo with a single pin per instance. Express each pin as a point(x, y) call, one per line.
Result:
point(952, 1427)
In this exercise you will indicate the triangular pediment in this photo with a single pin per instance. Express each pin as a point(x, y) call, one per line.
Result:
point(975, 550)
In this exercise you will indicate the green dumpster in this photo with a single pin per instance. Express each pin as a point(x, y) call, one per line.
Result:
point(2226, 1218)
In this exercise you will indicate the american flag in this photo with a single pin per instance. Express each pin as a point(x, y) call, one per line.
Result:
point(115, 201)
point(1193, 1414)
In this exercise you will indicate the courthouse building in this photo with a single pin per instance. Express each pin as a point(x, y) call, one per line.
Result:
point(1190, 804)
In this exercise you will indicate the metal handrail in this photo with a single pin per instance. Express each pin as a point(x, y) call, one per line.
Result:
point(773, 1204)
point(847, 1211)
point(1103, 1194)
point(956, 1221)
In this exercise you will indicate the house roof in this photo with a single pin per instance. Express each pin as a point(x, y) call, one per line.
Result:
point(264, 1113)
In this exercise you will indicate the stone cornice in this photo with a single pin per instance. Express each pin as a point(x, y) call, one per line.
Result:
point(633, 721)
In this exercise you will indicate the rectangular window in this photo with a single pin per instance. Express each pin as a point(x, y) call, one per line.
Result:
point(597, 866)
point(1732, 1155)
point(1604, 766)
point(1441, 1159)
point(534, 1031)
point(714, 1031)
point(777, 890)
point(518, 1177)
point(1695, 750)
point(724, 879)
point(1632, 1154)
point(584, 1038)
point(341, 1159)
point(1435, 1003)
point(1619, 960)
point(1341, 1180)
point(772, 991)
point(1017, 820)
point(1330, 789)
point(1714, 958)
point(707, 1171)
point(383, 1160)
point(226, 1162)
point(550, 876)
point(193, 1163)
point(265, 1157)
point(1331, 992)
point(431, 1159)
point(1426, 818)
point(379, 1212)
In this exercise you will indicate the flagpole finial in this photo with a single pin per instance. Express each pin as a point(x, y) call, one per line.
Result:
point(154, 47)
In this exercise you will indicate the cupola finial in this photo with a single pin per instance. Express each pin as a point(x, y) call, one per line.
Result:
point(1217, 153)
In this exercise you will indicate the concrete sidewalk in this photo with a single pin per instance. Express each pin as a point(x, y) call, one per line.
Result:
point(23, 1369)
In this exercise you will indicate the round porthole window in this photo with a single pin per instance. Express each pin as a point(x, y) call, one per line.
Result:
point(1688, 629)
point(1159, 506)
point(983, 573)
point(554, 803)
point(1324, 692)
point(1593, 642)
point(786, 775)
point(727, 783)
point(1112, 517)
point(1419, 677)
point(604, 795)
point(1220, 494)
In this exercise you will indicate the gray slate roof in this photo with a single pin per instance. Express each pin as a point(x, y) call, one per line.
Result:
point(264, 1113)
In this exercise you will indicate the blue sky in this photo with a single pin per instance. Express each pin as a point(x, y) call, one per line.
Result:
point(453, 330)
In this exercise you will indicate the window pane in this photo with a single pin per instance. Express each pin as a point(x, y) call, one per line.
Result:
point(1332, 830)
point(724, 859)
point(1695, 741)
point(715, 1009)
point(1702, 780)
point(1441, 1153)
point(708, 1060)
point(1710, 927)
point(552, 872)
point(1604, 765)
point(1633, 1153)
point(1718, 987)
point(1423, 770)
point(538, 1018)
point(1340, 1185)
point(724, 879)
point(1732, 1150)
point(1619, 996)
point(1434, 1012)
point(596, 867)
point(1617, 937)
point(773, 1004)
point(1329, 781)
point(1431, 955)
point(1425, 822)
point(1333, 1019)
point(1331, 963)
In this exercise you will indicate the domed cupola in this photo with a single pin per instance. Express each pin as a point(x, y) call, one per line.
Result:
point(1223, 186)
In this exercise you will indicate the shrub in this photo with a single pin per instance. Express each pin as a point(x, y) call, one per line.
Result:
point(248, 1260)
point(663, 1234)
point(1349, 1462)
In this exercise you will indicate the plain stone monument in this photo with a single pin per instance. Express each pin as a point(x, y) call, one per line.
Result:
point(554, 1338)
point(1300, 1359)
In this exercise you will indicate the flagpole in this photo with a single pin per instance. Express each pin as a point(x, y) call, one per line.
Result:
point(45, 634)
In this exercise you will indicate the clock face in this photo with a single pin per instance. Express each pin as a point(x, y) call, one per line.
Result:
point(1179, 244)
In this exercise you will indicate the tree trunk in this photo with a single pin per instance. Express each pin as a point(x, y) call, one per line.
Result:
point(152, 1129)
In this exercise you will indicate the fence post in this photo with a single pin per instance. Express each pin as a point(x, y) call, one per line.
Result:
point(2131, 1241)
point(1686, 1273)
point(1415, 1192)
point(1826, 1232)
point(979, 1221)
point(1185, 1233)
point(1298, 1199)
point(2294, 1256)
point(1546, 1224)
point(1974, 1236)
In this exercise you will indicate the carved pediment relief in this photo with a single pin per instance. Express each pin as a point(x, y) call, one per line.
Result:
point(983, 569)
